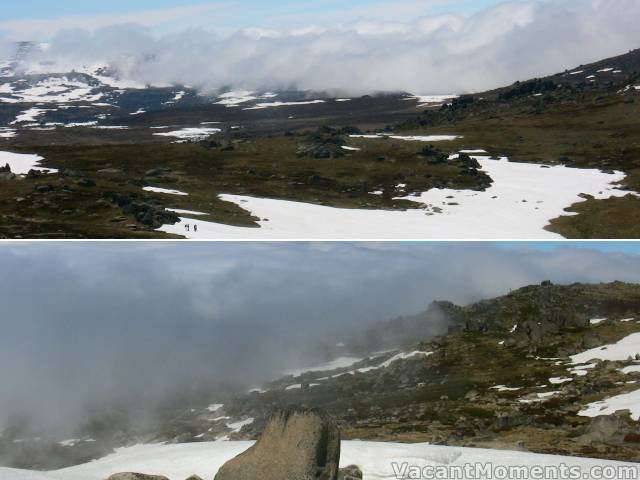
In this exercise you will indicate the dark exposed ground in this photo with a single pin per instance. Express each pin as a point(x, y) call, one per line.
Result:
point(268, 167)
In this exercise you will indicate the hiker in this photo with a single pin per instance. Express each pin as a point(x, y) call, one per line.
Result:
point(195, 228)
point(186, 227)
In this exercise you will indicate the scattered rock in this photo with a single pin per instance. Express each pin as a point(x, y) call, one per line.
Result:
point(352, 472)
point(135, 476)
point(43, 188)
point(67, 172)
point(36, 174)
point(604, 428)
point(86, 183)
point(145, 213)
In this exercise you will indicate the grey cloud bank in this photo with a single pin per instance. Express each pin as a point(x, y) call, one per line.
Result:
point(85, 325)
point(512, 41)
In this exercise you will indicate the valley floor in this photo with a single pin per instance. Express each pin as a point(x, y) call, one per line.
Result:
point(522, 201)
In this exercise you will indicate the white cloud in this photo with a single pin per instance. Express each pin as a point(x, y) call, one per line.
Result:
point(511, 41)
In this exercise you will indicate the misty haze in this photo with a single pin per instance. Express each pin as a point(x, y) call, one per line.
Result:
point(108, 345)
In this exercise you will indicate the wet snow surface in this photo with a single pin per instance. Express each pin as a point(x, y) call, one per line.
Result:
point(376, 460)
point(522, 200)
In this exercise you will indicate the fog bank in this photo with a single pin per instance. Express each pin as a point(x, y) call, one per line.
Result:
point(515, 40)
point(85, 325)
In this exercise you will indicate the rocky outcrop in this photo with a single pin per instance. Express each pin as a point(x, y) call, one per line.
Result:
point(297, 444)
point(605, 428)
point(352, 472)
point(145, 213)
point(5, 173)
point(135, 476)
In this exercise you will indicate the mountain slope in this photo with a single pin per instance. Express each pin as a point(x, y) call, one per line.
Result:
point(528, 371)
point(585, 117)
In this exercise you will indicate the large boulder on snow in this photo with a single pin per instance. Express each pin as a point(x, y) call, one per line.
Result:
point(135, 476)
point(297, 444)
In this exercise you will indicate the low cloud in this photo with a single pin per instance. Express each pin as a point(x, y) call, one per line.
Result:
point(514, 40)
point(98, 324)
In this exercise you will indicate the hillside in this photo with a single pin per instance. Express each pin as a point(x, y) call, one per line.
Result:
point(527, 371)
point(209, 156)
point(588, 116)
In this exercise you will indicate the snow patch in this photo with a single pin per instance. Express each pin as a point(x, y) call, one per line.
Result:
point(342, 362)
point(21, 163)
point(625, 348)
point(30, 115)
point(190, 133)
point(237, 426)
point(260, 106)
point(424, 100)
point(631, 369)
point(560, 380)
point(185, 212)
point(164, 190)
point(522, 200)
point(581, 370)
point(504, 388)
point(609, 406)
point(7, 133)
point(395, 358)
point(411, 138)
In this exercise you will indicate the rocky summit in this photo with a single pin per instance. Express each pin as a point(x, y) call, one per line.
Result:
point(296, 444)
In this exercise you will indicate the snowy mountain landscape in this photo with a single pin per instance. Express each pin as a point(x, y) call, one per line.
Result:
point(320, 240)
point(545, 370)
point(549, 158)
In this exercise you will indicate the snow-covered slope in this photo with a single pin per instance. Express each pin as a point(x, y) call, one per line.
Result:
point(376, 459)
point(520, 203)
